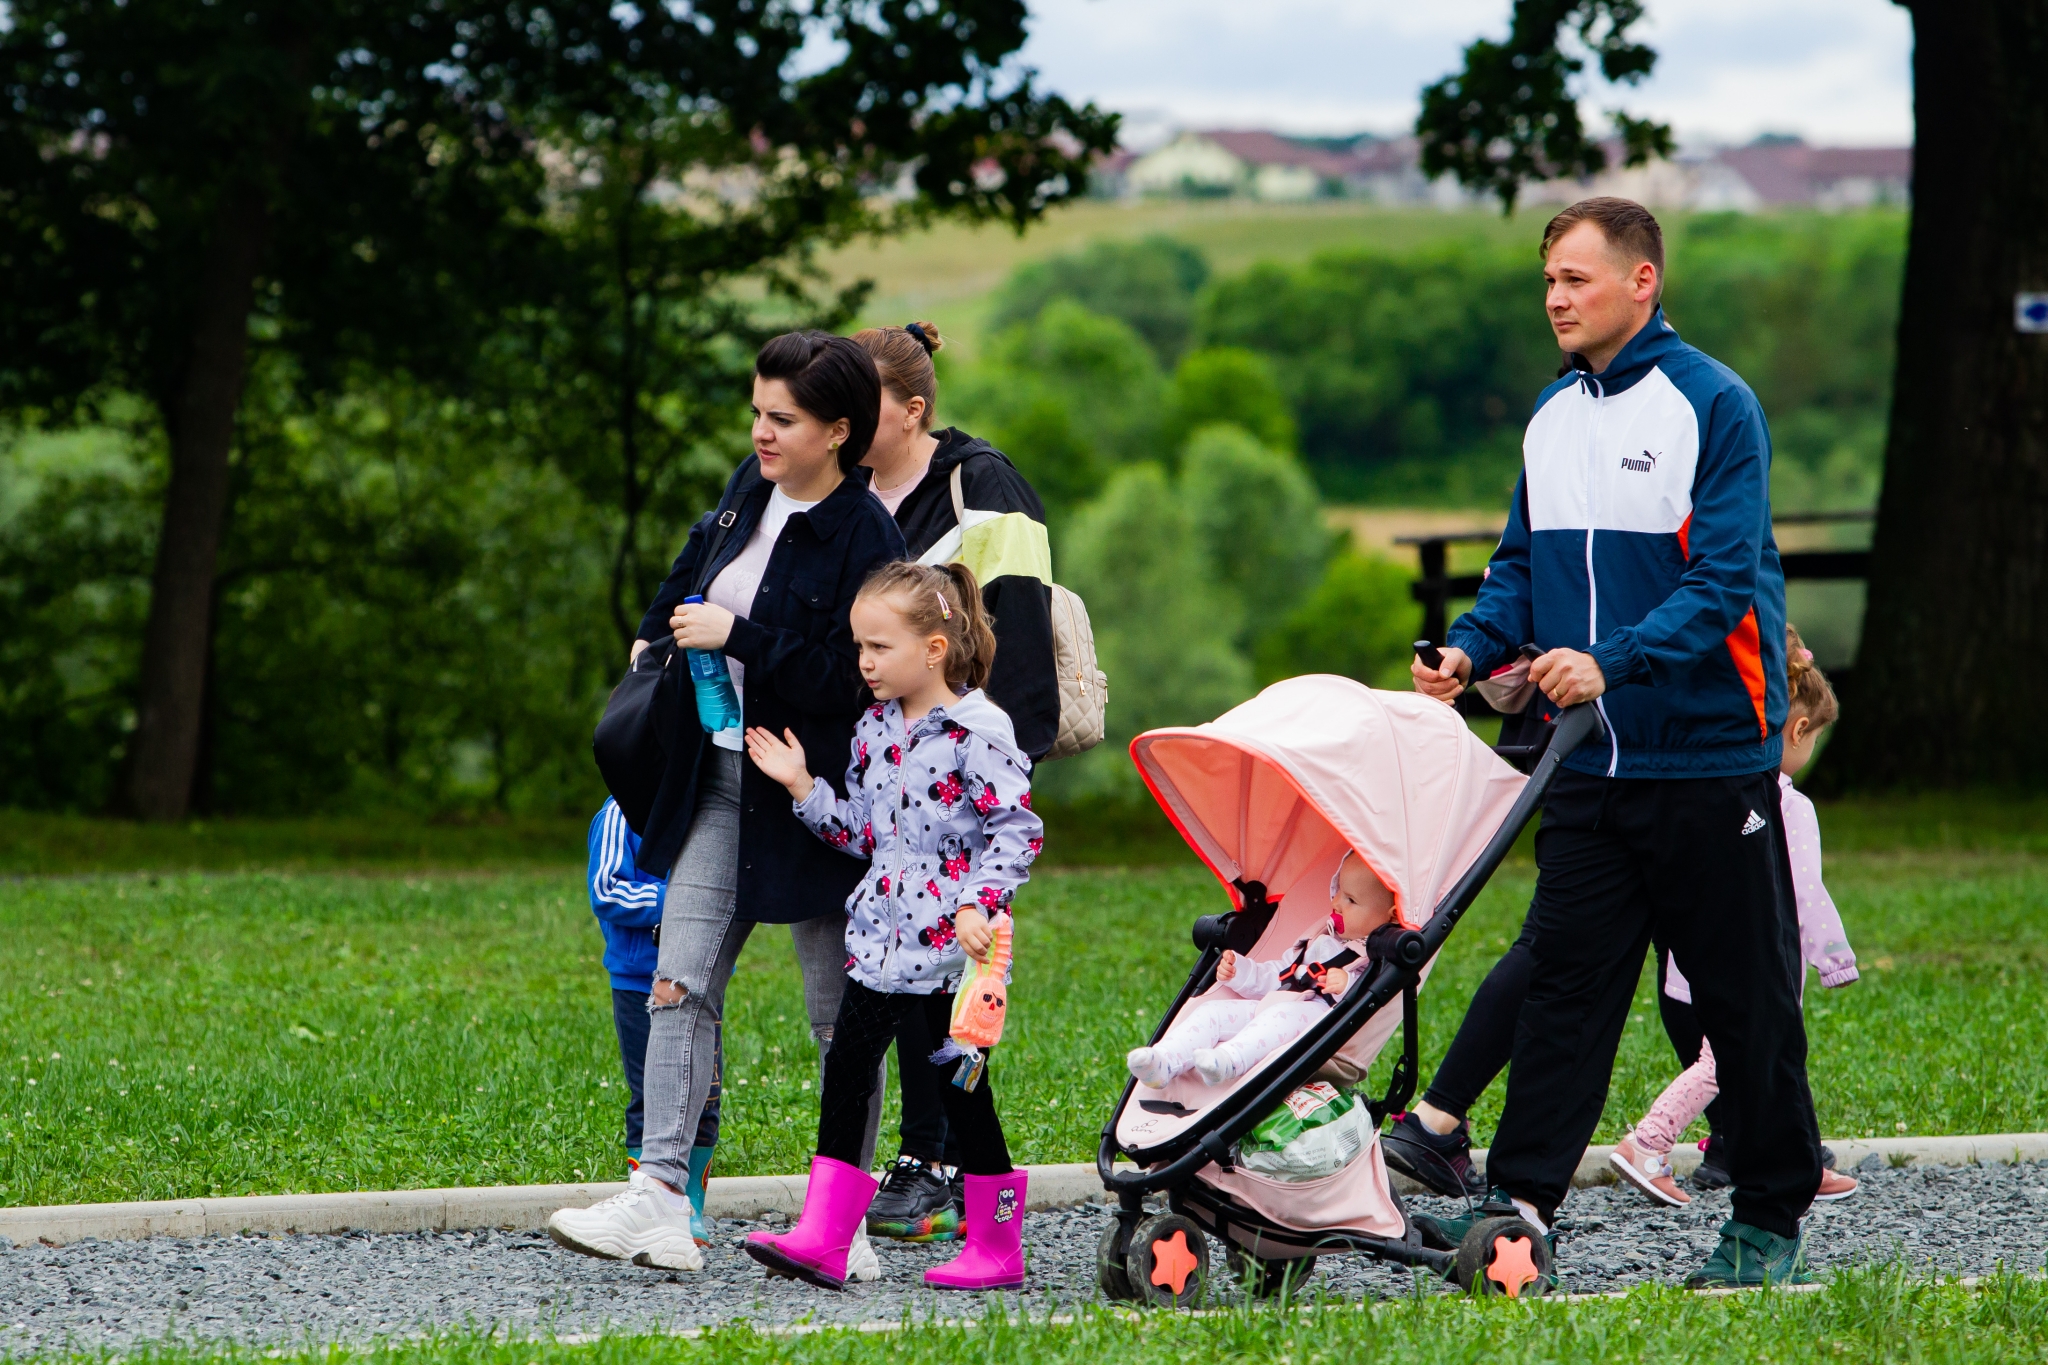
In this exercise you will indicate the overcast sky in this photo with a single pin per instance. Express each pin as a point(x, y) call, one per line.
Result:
point(1835, 71)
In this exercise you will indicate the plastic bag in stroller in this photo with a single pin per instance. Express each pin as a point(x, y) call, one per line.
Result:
point(1270, 796)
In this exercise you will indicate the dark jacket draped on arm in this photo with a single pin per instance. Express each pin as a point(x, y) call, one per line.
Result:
point(803, 674)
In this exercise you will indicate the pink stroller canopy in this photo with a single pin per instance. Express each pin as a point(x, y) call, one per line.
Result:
point(1274, 791)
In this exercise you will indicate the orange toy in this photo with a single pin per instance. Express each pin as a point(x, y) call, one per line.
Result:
point(979, 1008)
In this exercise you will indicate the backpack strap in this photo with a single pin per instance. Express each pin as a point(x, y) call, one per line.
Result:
point(959, 498)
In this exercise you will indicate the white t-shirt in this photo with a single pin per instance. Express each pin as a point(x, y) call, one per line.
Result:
point(739, 581)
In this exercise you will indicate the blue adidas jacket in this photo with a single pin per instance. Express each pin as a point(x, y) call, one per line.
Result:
point(626, 901)
point(1641, 533)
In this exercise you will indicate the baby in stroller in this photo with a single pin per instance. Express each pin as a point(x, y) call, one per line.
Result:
point(1261, 1007)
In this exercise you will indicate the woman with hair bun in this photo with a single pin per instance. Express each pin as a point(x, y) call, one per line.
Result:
point(768, 578)
point(912, 472)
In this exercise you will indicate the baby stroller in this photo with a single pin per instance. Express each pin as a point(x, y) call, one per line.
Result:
point(1270, 795)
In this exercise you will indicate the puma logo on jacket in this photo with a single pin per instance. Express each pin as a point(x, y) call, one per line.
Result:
point(1640, 532)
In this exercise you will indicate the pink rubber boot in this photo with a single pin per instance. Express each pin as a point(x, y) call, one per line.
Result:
point(835, 1205)
point(994, 1255)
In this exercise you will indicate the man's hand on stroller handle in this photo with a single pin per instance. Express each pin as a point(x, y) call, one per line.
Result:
point(1445, 681)
point(1568, 676)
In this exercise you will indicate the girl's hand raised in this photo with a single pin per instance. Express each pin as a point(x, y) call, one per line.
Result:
point(784, 762)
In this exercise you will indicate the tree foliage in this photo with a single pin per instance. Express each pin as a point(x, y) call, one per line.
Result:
point(381, 183)
point(1150, 285)
point(1511, 114)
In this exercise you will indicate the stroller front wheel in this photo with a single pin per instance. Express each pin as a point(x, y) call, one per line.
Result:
point(1505, 1256)
point(1111, 1274)
point(1168, 1261)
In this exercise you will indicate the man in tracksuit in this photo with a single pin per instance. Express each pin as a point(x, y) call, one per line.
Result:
point(1638, 556)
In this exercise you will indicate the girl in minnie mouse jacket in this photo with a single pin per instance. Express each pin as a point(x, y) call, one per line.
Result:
point(939, 801)
point(941, 807)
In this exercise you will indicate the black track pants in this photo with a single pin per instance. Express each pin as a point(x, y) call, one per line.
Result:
point(861, 1038)
point(1485, 1039)
point(1619, 861)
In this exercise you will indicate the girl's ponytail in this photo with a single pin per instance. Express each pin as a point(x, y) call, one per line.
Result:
point(1812, 695)
point(977, 641)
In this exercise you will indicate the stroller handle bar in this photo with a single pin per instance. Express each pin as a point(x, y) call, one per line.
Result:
point(1241, 1111)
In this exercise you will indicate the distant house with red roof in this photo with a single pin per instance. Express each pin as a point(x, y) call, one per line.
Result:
point(1772, 172)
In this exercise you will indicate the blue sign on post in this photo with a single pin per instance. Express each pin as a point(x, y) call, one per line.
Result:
point(2030, 312)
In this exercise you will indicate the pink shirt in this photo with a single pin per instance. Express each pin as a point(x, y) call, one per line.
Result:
point(1822, 940)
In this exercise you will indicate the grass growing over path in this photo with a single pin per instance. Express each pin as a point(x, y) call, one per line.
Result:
point(1870, 1316)
point(214, 1034)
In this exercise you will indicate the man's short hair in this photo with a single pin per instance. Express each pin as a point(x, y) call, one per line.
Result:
point(1628, 227)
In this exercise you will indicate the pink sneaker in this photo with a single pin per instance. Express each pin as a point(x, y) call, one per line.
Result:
point(994, 1255)
point(1648, 1171)
point(1834, 1185)
point(835, 1208)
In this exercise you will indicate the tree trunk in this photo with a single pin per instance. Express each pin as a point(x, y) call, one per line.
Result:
point(200, 417)
point(1956, 630)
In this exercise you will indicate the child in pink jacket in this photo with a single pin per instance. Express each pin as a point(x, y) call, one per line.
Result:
point(1643, 1158)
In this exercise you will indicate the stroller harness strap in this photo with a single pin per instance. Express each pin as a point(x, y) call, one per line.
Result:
point(1308, 978)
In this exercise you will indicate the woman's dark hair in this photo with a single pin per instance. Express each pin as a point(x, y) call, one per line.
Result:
point(831, 378)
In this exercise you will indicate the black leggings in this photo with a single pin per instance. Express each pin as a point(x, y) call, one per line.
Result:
point(861, 1038)
point(1486, 1038)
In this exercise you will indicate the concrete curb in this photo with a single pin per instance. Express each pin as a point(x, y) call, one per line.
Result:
point(528, 1206)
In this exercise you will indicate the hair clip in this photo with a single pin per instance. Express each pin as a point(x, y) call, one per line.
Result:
point(945, 608)
point(1806, 656)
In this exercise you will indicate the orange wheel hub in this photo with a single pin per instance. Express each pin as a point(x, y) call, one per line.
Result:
point(1172, 1263)
point(1513, 1268)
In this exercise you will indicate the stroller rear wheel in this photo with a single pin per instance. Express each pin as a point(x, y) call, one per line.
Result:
point(1504, 1256)
point(1168, 1261)
point(1264, 1279)
point(1111, 1275)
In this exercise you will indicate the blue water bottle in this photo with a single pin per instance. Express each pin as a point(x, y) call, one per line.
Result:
point(718, 706)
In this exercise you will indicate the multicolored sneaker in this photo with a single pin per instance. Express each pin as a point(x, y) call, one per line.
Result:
point(1749, 1258)
point(915, 1204)
point(1439, 1162)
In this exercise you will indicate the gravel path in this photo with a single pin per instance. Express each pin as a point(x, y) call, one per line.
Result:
point(91, 1295)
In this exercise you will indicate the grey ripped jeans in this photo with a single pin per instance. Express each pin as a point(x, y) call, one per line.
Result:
point(701, 938)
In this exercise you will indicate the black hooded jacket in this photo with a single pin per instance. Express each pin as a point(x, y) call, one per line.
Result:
point(1022, 680)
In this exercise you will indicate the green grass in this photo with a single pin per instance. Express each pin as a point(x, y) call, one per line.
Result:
point(1876, 1315)
point(259, 1032)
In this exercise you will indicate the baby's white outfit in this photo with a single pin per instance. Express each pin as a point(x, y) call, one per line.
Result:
point(1260, 1010)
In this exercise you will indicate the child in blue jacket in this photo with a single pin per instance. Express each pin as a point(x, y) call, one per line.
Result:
point(627, 903)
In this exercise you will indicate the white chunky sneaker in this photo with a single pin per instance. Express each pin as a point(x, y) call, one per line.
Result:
point(643, 1224)
point(861, 1262)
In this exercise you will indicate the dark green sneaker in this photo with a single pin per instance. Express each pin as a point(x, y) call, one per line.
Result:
point(1749, 1258)
point(1445, 1234)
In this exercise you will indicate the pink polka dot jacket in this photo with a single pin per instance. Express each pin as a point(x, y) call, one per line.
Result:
point(942, 809)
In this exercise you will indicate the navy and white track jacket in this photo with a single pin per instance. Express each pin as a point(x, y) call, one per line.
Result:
point(1641, 533)
point(626, 901)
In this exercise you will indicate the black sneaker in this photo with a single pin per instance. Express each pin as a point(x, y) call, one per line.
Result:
point(1712, 1172)
point(1442, 1164)
point(915, 1204)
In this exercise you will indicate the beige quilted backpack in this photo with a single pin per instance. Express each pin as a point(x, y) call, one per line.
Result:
point(990, 541)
